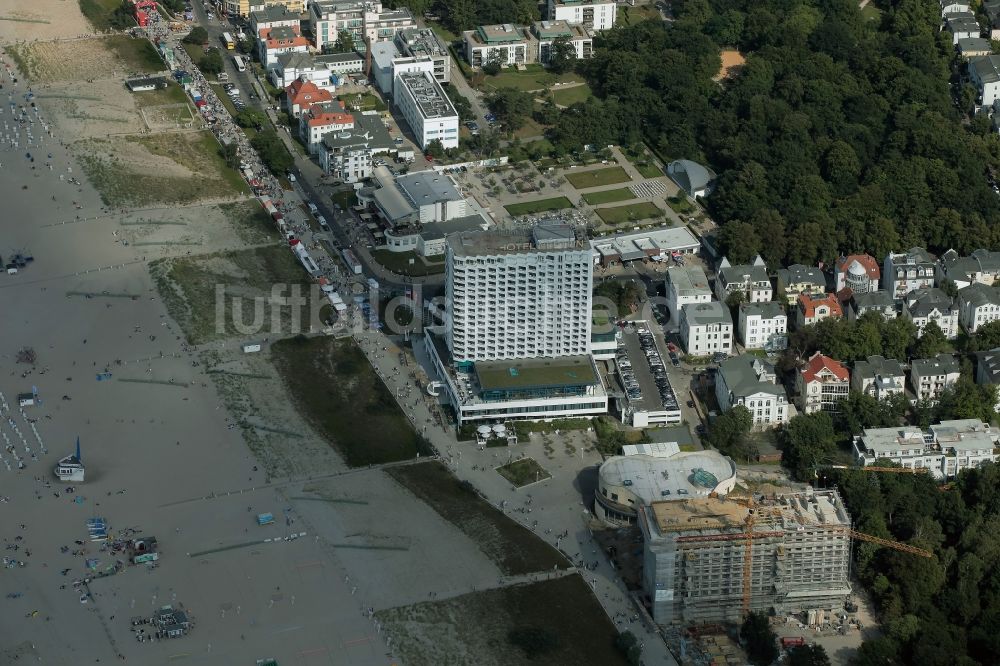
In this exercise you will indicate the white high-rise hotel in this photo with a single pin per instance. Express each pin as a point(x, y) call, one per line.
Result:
point(517, 296)
point(516, 339)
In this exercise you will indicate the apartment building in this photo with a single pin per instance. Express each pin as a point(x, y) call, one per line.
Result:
point(962, 25)
point(929, 377)
point(751, 280)
point(763, 326)
point(930, 304)
point(988, 371)
point(363, 20)
point(858, 272)
point(246, 8)
point(799, 279)
point(302, 94)
point(706, 328)
point(980, 267)
point(694, 553)
point(814, 308)
point(423, 43)
point(506, 45)
point(322, 119)
point(592, 14)
point(545, 33)
point(984, 74)
point(348, 155)
point(752, 383)
point(684, 285)
point(908, 271)
point(273, 16)
point(274, 42)
point(978, 304)
point(873, 301)
point(425, 106)
point(821, 384)
point(878, 377)
point(945, 449)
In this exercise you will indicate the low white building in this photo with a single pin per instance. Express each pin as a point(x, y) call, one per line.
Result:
point(684, 285)
point(752, 383)
point(427, 110)
point(931, 376)
point(944, 450)
point(659, 473)
point(930, 304)
point(531, 388)
point(706, 328)
point(763, 326)
point(878, 377)
point(978, 304)
point(658, 244)
point(593, 14)
point(750, 279)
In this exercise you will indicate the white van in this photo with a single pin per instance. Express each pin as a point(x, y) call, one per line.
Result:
point(312, 208)
point(322, 222)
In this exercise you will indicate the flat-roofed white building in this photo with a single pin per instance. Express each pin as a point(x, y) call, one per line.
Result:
point(627, 482)
point(505, 44)
point(654, 244)
point(427, 109)
point(684, 285)
point(593, 14)
point(944, 449)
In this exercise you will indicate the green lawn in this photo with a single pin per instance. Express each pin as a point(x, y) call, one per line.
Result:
point(648, 170)
point(680, 205)
point(99, 11)
point(638, 14)
point(608, 196)
point(534, 77)
point(137, 53)
point(172, 94)
point(630, 213)
point(514, 549)
point(345, 199)
point(570, 96)
point(362, 102)
point(523, 472)
point(220, 92)
point(581, 180)
point(338, 393)
point(399, 263)
point(539, 206)
point(194, 51)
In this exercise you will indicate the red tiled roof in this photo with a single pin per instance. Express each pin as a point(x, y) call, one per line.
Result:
point(330, 119)
point(809, 302)
point(868, 262)
point(817, 363)
point(304, 93)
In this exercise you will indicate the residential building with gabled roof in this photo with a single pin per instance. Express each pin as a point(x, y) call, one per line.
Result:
point(814, 308)
point(858, 272)
point(321, 119)
point(873, 301)
point(878, 377)
point(903, 272)
point(302, 94)
point(978, 304)
point(706, 328)
point(822, 382)
point(800, 279)
point(685, 284)
point(988, 371)
point(984, 74)
point(750, 279)
point(929, 377)
point(751, 382)
point(982, 266)
point(930, 304)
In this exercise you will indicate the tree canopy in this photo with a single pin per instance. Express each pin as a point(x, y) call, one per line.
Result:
point(839, 134)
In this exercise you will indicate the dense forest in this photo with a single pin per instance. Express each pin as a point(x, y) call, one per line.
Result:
point(840, 134)
point(938, 611)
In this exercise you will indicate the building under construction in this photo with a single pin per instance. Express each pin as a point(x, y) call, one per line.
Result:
point(712, 560)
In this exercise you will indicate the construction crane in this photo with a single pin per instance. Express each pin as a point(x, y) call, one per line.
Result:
point(748, 535)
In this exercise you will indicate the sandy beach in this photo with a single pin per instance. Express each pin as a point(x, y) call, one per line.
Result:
point(155, 437)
